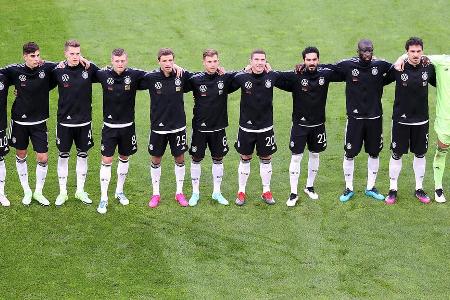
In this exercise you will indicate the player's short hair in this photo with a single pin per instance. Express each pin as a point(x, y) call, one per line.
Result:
point(210, 53)
point(165, 51)
point(71, 43)
point(257, 51)
point(413, 41)
point(310, 49)
point(30, 47)
point(118, 52)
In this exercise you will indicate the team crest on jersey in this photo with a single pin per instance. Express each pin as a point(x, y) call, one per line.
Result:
point(425, 75)
point(374, 71)
point(404, 77)
point(268, 84)
point(84, 74)
point(65, 78)
point(321, 81)
point(127, 80)
point(2, 86)
point(304, 82)
point(110, 81)
point(355, 72)
point(22, 78)
point(220, 85)
point(158, 85)
point(248, 85)
point(202, 88)
point(177, 81)
point(41, 74)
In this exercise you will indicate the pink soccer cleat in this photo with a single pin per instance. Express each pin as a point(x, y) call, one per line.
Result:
point(154, 201)
point(181, 199)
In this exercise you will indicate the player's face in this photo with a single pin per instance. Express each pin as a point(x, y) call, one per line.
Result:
point(311, 61)
point(211, 63)
point(258, 63)
point(119, 63)
point(32, 59)
point(365, 53)
point(414, 54)
point(72, 55)
point(166, 63)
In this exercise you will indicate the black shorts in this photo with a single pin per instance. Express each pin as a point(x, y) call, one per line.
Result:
point(216, 141)
point(123, 138)
point(4, 147)
point(264, 141)
point(369, 131)
point(414, 137)
point(82, 136)
point(315, 137)
point(158, 143)
point(20, 136)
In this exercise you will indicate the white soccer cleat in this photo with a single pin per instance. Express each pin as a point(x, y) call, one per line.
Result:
point(28, 195)
point(122, 199)
point(4, 201)
point(292, 200)
point(439, 196)
point(102, 207)
point(311, 193)
point(41, 199)
point(61, 199)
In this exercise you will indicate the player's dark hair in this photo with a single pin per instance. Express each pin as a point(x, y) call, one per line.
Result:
point(413, 41)
point(71, 43)
point(165, 51)
point(310, 50)
point(30, 47)
point(257, 51)
point(210, 53)
point(118, 52)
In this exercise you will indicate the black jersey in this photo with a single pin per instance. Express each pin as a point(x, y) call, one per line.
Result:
point(119, 94)
point(411, 92)
point(210, 93)
point(166, 96)
point(4, 85)
point(309, 94)
point(256, 109)
point(33, 87)
point(364, 85)
point(75, 93)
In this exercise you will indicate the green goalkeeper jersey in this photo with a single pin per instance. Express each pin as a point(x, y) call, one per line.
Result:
point(442, 66)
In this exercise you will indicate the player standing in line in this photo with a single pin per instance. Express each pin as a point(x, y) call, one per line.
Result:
point(119, 85)
point(256, 123)
point(74, 118)
point(210, 91)
point(309, 90)
point(364, 77)
point(29, 114)
point(168, 122)
point(4, 148)
point(410, 117)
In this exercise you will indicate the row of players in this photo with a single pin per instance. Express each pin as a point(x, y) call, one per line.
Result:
point(364, 75)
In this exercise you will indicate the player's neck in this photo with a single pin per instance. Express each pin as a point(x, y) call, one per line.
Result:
point(412, 64)
point(72, 64)
point(31, 67)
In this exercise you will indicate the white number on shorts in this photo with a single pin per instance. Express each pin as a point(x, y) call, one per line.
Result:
point(3, 142)
point(270, 141)
point(133, 140)
point(224, 141)
point(89, 134)
point(181, 140)
point(322, 138)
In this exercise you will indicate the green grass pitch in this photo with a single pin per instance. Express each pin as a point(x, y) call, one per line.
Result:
point(322, 249)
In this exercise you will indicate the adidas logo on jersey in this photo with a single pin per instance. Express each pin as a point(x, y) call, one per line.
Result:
point(355, 111)
point(249, 122)
point(403, 116)
point(134, 148)
point(69, 117)
point(24, 116)
point(303, 119)
point(109, 117)
point(161, 125)
point(89, 143)
point(203, 125)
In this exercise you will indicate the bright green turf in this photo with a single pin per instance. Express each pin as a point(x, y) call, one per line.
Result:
point(323, 249)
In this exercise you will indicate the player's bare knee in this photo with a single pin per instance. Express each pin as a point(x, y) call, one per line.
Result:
point(123, 157)
point(441, 146)
point(42, 157)
point(21, 153)
point(246, 157)
point(156, 160)
point(179, 160)
point(196, 160)
point(107, 160)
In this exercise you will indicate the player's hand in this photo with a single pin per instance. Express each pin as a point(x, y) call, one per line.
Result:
point(425, 61)
point(399, 64)
point(179, 70)
point(220, 70)
point(268, 68)
point(15, 93)
point(248, 69)
point(41, 63)
point(61, 65)
point(300, 68)
point(84, 62)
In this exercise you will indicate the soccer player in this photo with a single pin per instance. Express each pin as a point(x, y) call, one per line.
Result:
point(210, 91)
point(410, 117)
point(256, 123)
point(168, 122)
point(119, 84)
point(364, 77)
point(74, 118)
point(4, 148)
point(309, 94)
point(29, 114)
